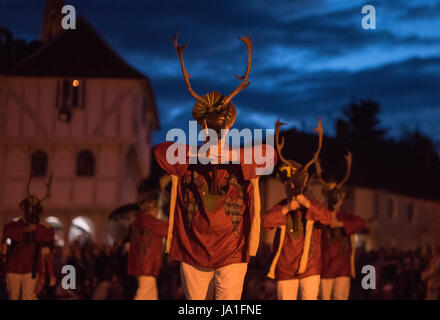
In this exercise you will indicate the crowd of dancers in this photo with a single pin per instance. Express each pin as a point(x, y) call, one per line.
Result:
point(214, 226)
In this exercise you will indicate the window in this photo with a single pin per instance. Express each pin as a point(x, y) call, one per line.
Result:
point(85, 164)
point(390, 208)
point(376, 207)
point(39, 163)
point(410, 212)
point(71, 94)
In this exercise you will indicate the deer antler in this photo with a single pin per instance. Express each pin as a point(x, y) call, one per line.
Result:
point(319, 172)
point(321, 136)
point(280, 145)
point(48, 185)
point(28, 187)
point(348, 159)
point(244, 84)
point(179, 50)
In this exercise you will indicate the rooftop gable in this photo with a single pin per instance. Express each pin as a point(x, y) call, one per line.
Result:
point(79, 52)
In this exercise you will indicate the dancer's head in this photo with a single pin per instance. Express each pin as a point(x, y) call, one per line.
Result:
point(214, 110)
point(32, 206)
point(334, 192)
point(292, 174)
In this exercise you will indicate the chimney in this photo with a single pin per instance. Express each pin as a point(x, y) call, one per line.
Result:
point(51, 20)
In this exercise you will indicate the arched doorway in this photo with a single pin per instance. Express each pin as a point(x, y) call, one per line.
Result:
point(82, 230)
point(58, 227)
point(119, 223)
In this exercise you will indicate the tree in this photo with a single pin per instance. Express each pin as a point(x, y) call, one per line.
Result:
point(410, 165)
point(361, 122)
point(423, 149)
point(13, 50)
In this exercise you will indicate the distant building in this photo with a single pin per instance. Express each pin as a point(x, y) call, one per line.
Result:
point(77, 109)
point(394, 219)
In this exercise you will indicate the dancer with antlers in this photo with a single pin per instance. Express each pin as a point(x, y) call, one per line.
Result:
point(297, 262)
point(26, 249)
point(214, 208)
point(338, 250)
point(146, 234)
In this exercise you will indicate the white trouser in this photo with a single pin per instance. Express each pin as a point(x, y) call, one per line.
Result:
point(225, 283)
point(335, 288)
point(21, 282)
point(288, 289)
point(147, 288)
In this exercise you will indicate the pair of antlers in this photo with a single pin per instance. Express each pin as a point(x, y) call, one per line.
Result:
point(48, 185)
point(293, 164)
point(348, 159)
point(243, 85)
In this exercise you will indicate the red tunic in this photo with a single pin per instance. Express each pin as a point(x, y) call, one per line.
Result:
point(336, 246)
point(21, 253)
point(291, 251)
point(212, 230)
point(145, 255)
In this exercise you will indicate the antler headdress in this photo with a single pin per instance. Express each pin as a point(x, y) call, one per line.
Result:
point(32, 201)
point(214, 110)
point(292, 170)
point(333, 189)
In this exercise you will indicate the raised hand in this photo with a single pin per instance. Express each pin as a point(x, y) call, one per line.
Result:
point(291, 206)
point(335, 222)
point(302, 199)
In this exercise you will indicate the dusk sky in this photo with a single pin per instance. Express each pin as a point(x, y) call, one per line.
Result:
point(311, 58)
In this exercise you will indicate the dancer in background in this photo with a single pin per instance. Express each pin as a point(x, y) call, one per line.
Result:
point(145, 246)
point(26, 249)
point(297, 262)
point(338, 249)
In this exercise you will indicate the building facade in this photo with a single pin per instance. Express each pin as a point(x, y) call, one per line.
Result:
point(84, 115)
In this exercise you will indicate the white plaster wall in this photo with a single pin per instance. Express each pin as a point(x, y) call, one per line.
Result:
point(398, 230)
point(109, 125)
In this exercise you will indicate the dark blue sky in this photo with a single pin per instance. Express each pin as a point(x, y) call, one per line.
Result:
point(311, 57)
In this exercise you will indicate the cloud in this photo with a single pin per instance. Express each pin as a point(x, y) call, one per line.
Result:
point(310, 57)
point(401, 92)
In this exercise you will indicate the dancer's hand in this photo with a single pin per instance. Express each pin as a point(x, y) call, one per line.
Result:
point(335, 222)
point(302, 199)
point(291, 206)
point(164, 181)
